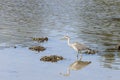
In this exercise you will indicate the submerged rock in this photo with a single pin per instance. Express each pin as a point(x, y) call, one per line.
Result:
point(110, 50)
point(90, 51)
point(115, 19)
point(37, 48)
point(40, 39)
point(14, 46)
point(118, 46)
point(51, 58)
point(109, 55)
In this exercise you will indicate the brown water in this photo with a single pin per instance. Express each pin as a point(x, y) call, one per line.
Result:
point(95, 23)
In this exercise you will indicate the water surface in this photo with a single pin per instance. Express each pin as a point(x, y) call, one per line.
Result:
point(91, 22)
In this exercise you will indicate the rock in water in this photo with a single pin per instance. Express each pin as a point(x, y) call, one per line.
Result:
point(51, 58)
point(37, 48)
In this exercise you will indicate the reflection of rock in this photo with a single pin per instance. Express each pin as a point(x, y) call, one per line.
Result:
point(40, 39)
point(77, 65)
point(108, 61)
point(37, 48)
point(51, 58)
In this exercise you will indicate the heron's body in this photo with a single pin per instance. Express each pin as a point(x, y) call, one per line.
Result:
point(76, 46)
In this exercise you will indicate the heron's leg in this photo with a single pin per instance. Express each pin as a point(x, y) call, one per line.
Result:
point(77, 55)
point(80, 55)
point(79, 52)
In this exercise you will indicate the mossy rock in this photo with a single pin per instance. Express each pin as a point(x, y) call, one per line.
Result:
point(51, 58)
point(40, 39)
point(37, 48)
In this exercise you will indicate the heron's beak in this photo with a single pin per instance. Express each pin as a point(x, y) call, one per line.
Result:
point(62, 38)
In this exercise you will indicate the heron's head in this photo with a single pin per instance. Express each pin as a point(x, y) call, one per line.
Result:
point(66, 37)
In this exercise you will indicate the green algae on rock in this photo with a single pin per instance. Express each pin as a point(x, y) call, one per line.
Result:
point(40, 39)
point(37, 48)
point(51, 58)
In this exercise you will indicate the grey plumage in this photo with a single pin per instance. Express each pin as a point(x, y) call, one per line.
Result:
point(78, 47)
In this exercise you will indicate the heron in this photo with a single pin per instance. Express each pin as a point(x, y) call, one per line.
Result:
point(76, 46)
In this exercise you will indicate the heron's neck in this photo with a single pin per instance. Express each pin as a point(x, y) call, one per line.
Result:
point(69, 42)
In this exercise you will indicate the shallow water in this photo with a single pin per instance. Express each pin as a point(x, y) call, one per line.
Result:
point(91, 22)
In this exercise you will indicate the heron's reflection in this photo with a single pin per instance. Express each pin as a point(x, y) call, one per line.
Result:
point(77, 65)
